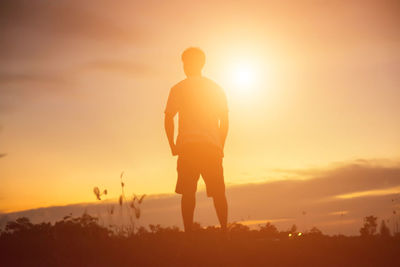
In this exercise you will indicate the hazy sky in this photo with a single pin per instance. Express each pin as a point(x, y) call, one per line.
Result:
point(83, 87)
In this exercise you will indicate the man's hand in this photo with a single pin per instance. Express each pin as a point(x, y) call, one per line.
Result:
point(169, 129)
point(223, 128)
point(174, 150)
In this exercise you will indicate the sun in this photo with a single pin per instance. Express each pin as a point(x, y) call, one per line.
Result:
point(243, 77)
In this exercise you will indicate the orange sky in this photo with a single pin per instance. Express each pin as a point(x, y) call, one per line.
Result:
point(83, 87)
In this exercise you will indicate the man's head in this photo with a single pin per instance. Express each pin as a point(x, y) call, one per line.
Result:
point(193, 60)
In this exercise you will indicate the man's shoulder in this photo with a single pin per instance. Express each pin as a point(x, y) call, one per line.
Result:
point(179, 85)
point(215, 86)
point(194, 82)
point(211, 82)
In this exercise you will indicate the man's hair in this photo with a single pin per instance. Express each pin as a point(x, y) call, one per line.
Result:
point(194, 56)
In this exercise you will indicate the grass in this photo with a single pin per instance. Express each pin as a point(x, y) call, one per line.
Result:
point(82, 241)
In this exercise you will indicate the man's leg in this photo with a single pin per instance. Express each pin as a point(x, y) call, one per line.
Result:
point(221, 207)
point(188, 202)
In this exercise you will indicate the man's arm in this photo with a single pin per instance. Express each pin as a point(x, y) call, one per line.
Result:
point(223, 127)
point(169, 130)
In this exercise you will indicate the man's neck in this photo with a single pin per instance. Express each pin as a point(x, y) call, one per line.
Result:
point(194, 75)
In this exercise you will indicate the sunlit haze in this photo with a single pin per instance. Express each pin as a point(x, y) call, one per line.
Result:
point(84, 84)
point(244, 78)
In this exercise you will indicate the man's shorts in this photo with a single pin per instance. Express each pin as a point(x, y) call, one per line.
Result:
point(199, 159)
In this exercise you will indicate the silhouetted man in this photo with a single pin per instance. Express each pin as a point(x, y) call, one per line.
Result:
point(203, 127)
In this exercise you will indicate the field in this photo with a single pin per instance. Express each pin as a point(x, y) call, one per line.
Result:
point(83, 242)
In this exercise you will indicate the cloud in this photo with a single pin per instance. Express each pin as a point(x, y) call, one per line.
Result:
point(31, 77)
point(17, 87)
point(127, 67)
point(33, 29)
point(66, 17)
point(45, 43)
point(375, 192)
point(307, 203)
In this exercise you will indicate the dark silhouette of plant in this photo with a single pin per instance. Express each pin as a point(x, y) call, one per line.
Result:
point(293, 229)
point(158, 229)
point(22, 224)
point(84, 226)
point(81, 241)
point(315, 232)
point(370, 225)
point(384, 230)
point(97, 192)
point(132, 207)
point(135, 204)
point(238, 228)
point(129, 208)
point(109, 208)
point(269, 230)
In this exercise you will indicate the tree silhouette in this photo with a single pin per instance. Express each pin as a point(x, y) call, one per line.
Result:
point(19, 225)
point(315, 232)
point(370, 225)
point(293, 229)
point(269, 229)
point(384, 230)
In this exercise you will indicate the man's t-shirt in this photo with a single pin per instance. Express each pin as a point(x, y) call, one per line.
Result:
point(200, 104)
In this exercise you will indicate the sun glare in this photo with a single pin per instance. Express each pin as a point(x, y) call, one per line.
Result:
point(243, 77)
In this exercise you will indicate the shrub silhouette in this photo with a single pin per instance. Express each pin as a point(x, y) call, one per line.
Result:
point(82, 241)
point(129, 209)
point(269, 230)
point(384, 230)
point(369, 228)
point(315, 232)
